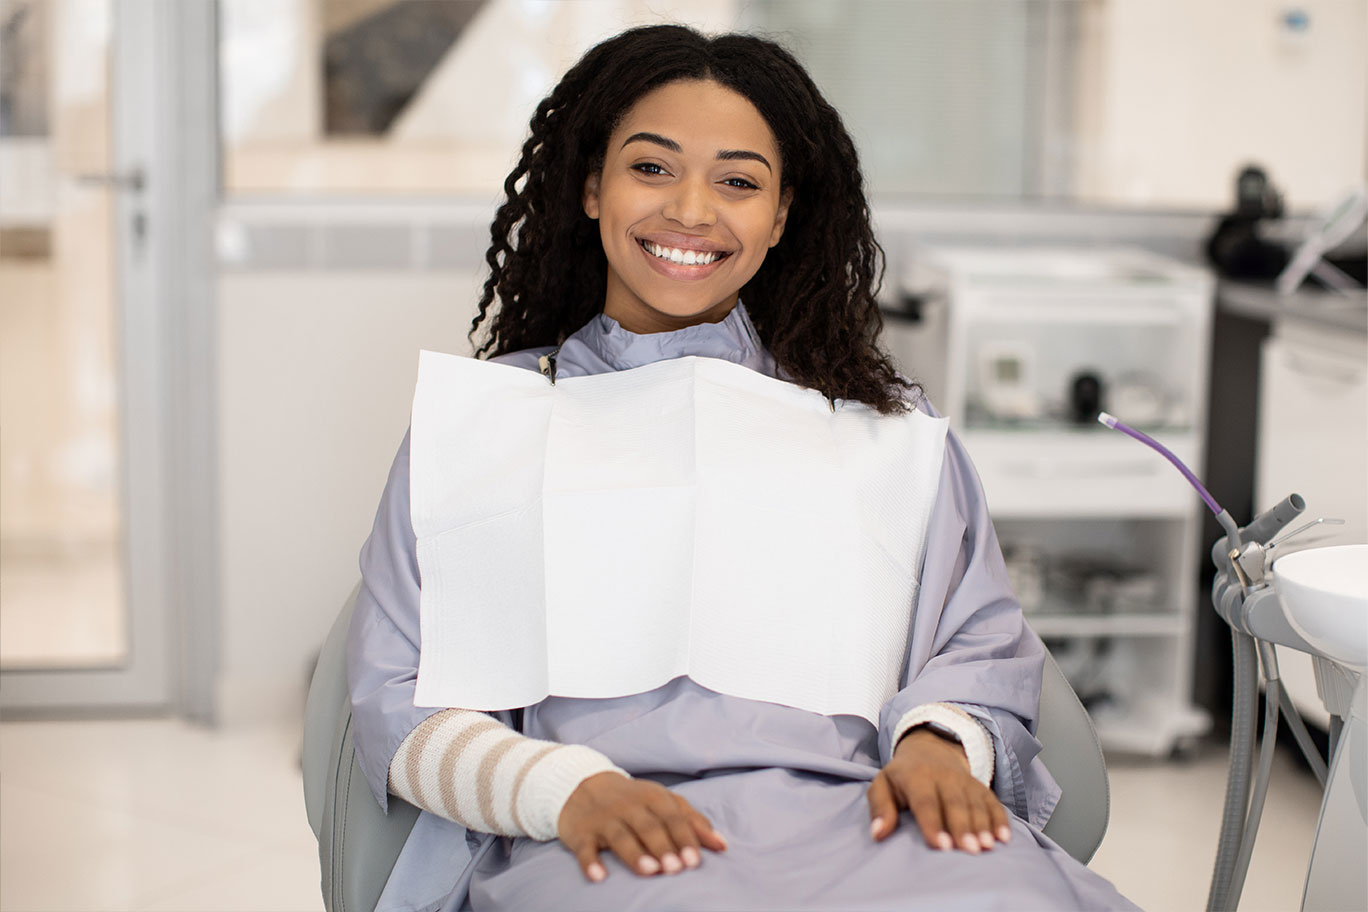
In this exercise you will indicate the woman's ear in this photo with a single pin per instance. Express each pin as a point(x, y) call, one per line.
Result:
point(591, 195)
point(781, 217)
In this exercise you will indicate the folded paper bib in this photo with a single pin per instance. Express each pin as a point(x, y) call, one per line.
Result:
point(605, 534)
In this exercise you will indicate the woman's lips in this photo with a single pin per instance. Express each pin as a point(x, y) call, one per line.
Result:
point(685, 271)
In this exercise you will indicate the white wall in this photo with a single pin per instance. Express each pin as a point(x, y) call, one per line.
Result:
point(1189, 92)
point(317, 379)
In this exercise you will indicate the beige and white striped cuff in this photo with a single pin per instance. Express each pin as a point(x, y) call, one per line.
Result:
point(972, 736)
point(469, 767)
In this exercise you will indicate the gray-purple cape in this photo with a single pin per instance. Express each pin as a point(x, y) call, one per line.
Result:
point(785, 786)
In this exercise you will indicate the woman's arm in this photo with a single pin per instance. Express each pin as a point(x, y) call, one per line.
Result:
point(469, 767)
point(970, 648)
point(427, 757)
point(473, 767)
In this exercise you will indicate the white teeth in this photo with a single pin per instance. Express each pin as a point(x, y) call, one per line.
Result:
point(681, 257)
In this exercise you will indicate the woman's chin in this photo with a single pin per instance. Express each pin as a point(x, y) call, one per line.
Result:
point(665, 315)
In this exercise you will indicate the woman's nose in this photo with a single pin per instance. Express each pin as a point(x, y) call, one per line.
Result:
point(690, 205)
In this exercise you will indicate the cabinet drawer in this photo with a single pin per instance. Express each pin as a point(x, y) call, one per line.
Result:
point(1081, 474)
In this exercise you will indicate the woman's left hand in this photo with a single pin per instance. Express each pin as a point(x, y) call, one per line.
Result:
point(929, 775)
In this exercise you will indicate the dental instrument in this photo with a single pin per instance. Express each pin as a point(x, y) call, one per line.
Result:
point(1261, 615)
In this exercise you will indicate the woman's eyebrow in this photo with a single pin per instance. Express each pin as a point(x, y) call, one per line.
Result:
point(653, 138)
point(743, 155)
point(724, 155)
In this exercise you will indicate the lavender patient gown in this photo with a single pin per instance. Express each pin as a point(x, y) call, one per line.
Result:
point(786, 787)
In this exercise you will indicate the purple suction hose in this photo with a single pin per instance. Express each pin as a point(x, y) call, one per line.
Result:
point(1111, 422)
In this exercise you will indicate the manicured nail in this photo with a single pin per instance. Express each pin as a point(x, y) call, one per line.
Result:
point(722, 839)
point(648, 865)
point(671, 863)
point(690, 856)
point(876, 827)
point(986, 839)
point(970, 843)
point(596, 872)
point(945, 842)
point(1004, 834)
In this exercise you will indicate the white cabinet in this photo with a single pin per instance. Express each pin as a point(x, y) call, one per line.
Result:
point(1101, 533)
point(1313, 440)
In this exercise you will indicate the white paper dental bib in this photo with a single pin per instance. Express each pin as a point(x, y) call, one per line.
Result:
point(603, 535)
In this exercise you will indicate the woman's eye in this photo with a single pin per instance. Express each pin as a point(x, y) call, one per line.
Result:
point(740, 183)
point(648, 168)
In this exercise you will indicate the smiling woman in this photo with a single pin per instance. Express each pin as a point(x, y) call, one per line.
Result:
point(688, 204)
point(789, 522)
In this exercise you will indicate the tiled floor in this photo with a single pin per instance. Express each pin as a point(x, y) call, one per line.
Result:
point(159, 815)
point(152, 815)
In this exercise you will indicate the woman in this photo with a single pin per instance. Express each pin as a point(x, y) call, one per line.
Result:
point(668, 178)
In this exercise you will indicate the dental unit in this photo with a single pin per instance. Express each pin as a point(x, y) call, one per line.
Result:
point(1314, 601)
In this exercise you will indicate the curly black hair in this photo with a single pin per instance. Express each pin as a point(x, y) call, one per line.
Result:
point(813, 299)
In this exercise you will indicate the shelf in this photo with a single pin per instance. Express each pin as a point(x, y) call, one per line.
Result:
point(1101, 625)
point(1059, 426)
point(1151, 728)
point(1082, 474)
point(1088, 311)
point(1070, 494)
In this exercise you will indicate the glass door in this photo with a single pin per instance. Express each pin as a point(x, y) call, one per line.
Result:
point(82, 615)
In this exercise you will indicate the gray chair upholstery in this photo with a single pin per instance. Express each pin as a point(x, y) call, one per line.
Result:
point(1073, 755)
point(358, 843)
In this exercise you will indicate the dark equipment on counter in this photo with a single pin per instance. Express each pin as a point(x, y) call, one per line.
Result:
point(1236, 249)
point(1085, 397)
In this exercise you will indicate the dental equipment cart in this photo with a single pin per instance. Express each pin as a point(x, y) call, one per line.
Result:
point(1314, 601)
point(1019, 346)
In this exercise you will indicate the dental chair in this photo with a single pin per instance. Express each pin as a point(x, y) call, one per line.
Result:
point(358, 843)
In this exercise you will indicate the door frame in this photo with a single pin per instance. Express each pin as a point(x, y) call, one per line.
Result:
point(163, 97)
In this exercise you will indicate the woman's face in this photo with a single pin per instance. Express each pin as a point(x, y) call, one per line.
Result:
point(688, 203)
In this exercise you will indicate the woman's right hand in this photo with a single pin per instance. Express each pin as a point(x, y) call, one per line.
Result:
point(645, 824)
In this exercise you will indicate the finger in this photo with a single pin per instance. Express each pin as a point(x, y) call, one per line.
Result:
point(977, 798)
point(926, 808)
point(625, 845)
point(957, 818)
point(702, 826)
point(681, 829)
point(653, 835)
point(588, 857)
point(652, 824)
point(883, 807)
point(1002, 827)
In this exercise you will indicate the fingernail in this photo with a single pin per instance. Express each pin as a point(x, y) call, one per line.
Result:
point(876, 827)
point(986, 839)
point(722, 839)
point(945, 842)
point(691, 857)
point(596, 872)
point(648, 865)
point(1005, 833)
point(670, 861)
point(970, 843)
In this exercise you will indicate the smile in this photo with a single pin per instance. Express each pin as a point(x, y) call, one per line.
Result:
point(683, 257)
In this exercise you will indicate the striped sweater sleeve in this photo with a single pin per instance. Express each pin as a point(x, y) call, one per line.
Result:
point(469, 767)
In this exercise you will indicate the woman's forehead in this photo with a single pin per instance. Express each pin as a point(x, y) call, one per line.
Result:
point(699, 116)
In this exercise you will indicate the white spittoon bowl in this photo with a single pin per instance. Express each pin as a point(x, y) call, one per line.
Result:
point(1325, 595)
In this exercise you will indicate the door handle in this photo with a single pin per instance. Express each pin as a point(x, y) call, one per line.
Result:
point(134, 179)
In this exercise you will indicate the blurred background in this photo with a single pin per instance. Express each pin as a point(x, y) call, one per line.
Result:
point(227, 228)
